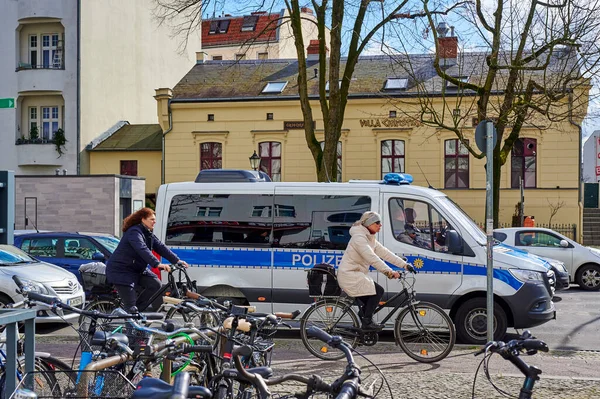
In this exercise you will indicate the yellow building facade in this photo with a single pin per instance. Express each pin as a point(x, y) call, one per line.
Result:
point(372, 126)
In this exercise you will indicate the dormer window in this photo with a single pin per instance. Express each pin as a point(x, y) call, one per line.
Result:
point(452, 86)
point(274, 87)
point(396, 84)
point(249, 23)
point(218, 26)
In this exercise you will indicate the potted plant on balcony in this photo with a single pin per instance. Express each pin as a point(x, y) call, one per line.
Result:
point(34, 134)
point(59, 141)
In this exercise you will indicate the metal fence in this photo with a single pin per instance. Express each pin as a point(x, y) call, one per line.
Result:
point(568, 230)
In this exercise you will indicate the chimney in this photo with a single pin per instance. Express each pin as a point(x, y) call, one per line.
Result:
point(312, 51)
point(306, 10)
point(447, 46)
point(201, 56)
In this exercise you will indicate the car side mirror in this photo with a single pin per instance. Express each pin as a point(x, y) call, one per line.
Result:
point(98, 256)
point(564, 243)
point(455, 243)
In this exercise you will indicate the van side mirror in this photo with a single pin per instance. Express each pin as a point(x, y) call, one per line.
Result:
point(98, 257)
point(455, 242)
point(564, 243)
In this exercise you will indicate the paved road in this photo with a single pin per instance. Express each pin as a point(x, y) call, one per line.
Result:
point(577, 326)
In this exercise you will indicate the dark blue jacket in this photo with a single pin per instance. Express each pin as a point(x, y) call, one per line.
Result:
point(134, 254)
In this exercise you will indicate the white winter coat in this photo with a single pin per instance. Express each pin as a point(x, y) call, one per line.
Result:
point(363, 251)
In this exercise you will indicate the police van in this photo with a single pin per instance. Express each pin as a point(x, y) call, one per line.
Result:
point(251, 240)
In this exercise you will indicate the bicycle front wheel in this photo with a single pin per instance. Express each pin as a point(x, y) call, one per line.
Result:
point(425, 332)
point(336, 318)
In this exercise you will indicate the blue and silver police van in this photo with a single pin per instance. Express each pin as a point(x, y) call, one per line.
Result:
point(251, 241)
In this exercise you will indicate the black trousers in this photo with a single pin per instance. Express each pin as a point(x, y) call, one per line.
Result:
point(370, 302)
point(147, 286)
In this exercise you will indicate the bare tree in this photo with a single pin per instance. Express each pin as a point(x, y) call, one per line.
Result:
point(353, 24)
point(554, 208)
point(523, 64)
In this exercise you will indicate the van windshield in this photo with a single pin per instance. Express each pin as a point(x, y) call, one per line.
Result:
point(453, 209)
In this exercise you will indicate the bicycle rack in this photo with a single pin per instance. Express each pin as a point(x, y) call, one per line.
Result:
point(10, 318)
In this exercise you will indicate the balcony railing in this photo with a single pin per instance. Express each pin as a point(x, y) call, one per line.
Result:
point(25, 66)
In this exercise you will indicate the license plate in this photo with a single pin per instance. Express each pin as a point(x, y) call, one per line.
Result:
point(74, 301)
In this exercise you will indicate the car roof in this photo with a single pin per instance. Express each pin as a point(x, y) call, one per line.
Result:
point(61, 233)
point(513, 229)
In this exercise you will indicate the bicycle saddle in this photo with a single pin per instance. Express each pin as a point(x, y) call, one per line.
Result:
point(153, 388)
point(100, 338)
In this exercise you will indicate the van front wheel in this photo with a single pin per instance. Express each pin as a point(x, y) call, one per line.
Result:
point(471, 322)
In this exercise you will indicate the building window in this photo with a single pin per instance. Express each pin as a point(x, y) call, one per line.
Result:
point(456, 161)
point(274, 87)
point(339, 159)
point(392, 156)
point(239, 57)
point(523, 163)
point(211, 117)
point(249, 23)
point(211, 155)
point(270, 159)
point(269, 116)
point(33, 50)
point(208, 211)
point(217, 57)
point(396, 84)
point(33, 119)
point(49, 122)
point(263, 56)
point(392, 114)
point(218, 27)
point(49, 45)
point(129, 168)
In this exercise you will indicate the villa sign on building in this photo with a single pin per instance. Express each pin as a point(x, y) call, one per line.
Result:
point(390, 122)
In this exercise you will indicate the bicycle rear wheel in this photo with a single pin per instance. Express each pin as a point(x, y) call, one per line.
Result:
point(334, 317)
point(425, 332)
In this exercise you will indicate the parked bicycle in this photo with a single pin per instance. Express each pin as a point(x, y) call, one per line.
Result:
point(511, 351)
point(423, 330)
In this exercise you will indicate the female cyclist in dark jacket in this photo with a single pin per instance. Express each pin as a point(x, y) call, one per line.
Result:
point(128, 267)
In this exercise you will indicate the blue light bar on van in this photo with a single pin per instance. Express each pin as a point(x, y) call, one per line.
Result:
point(397, 178)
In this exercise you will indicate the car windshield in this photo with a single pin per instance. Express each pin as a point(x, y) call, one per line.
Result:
point(10, 256)
point(453, 209)
point(108, 242)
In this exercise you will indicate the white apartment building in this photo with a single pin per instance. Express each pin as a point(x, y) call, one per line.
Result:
point(77, 67)
point(258, 36)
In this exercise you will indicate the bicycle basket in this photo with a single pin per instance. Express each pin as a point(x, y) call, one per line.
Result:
point(322, 281)
point(77, 384)
point(92, 280)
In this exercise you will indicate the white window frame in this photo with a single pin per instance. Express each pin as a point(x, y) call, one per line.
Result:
point(274, 87)
point(208, 211)
point(51, 119)
point(32, 62)
point(33, 119)
point(50, 48)
point(396, 84)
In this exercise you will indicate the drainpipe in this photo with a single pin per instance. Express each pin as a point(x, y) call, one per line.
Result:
point(580, 129)
point(162, 178)
point(78, 87)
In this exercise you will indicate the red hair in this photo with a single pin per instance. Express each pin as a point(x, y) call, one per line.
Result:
point(136, 218)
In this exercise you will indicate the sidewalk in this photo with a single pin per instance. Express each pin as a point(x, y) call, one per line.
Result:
point(566, 374)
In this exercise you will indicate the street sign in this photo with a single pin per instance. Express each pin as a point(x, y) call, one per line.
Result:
point(480, 135)
point(7, 102)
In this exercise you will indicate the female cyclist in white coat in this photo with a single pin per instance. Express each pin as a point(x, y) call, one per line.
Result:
point(363, 251)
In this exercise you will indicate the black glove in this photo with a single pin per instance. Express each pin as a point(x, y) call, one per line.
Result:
point(411, 268)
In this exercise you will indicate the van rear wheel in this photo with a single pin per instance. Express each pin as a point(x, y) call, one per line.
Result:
point(471, 322)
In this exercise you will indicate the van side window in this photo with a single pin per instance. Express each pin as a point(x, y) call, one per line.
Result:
point(316, 221)
point(417, 223)
point(220, 220)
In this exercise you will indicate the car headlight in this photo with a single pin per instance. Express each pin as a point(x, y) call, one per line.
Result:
point(34, 286)
point(560, 266)
point(527, 275)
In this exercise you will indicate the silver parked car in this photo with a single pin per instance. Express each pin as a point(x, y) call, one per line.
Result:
point(582, 263)
point(40, 277)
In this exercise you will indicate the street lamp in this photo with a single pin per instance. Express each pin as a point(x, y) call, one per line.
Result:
point(254, 161)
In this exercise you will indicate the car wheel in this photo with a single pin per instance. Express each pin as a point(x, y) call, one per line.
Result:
point(588, 277)
point(471, 322)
